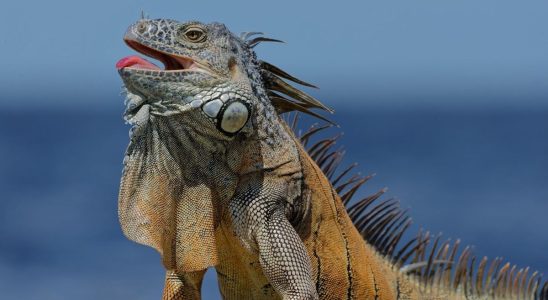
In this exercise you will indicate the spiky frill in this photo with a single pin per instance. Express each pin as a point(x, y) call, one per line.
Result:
point(383, 223)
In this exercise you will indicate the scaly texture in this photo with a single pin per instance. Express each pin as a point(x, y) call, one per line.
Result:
point(215, 177)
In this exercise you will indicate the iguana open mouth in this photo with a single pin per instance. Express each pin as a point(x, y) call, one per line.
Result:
point(173, 63)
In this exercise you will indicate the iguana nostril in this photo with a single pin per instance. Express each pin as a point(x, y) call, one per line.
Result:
point(142, 27)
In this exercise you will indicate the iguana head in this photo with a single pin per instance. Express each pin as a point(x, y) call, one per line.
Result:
point(209, 74)
point(203, 75)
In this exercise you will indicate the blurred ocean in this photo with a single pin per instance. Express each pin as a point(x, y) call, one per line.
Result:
point(481, 176)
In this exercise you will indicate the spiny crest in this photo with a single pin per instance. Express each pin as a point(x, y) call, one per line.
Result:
point(383, 224)
point(284, 97)
point(143, 15)
point(245, 36)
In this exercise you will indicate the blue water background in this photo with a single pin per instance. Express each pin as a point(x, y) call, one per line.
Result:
point(480, 175)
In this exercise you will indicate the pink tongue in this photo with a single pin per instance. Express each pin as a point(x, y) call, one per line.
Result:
point(135, 62)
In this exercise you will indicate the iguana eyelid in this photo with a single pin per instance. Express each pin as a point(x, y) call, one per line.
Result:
point(193, 29)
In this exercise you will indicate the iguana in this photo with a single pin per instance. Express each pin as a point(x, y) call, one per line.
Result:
point(214, 176)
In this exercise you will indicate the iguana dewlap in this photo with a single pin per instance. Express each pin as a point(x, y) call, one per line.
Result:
point(214, 177)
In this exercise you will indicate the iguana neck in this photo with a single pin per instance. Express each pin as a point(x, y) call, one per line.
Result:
point(198, 159)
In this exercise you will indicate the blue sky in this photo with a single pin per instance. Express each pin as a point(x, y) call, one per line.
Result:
point(428, 52)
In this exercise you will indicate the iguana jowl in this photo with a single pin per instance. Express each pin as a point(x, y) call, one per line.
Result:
point(214, 177)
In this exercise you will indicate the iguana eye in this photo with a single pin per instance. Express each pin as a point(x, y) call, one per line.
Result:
point(194, 35)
